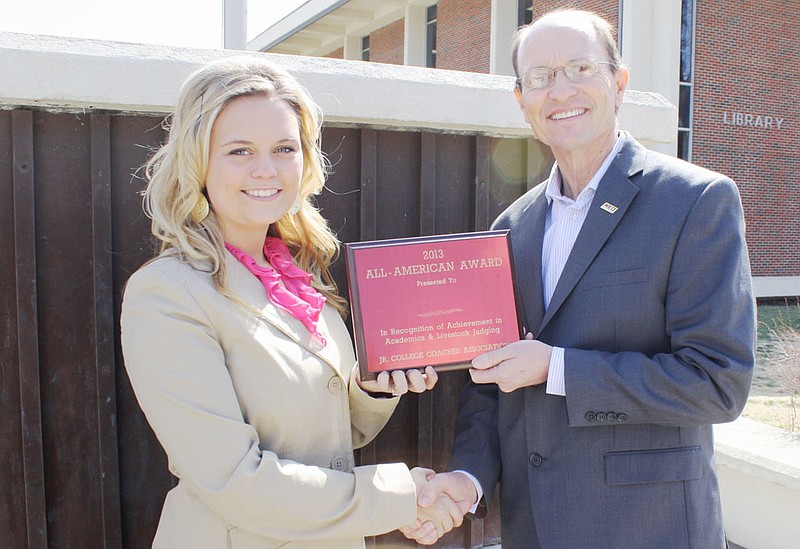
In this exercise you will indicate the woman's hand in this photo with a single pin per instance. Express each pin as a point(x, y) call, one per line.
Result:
point(399, 382)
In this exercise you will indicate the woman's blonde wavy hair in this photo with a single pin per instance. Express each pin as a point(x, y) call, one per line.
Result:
point(176, 173)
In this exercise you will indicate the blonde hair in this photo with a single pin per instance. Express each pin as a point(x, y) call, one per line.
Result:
point(176, 173)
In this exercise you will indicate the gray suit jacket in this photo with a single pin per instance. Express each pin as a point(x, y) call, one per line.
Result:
point(656, 313)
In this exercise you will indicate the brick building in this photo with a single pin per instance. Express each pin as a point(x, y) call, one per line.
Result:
point(728, 65)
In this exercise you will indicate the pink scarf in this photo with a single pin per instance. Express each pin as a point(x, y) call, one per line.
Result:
point(296, 296)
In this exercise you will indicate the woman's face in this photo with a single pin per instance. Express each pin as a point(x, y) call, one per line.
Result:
point(255, 166)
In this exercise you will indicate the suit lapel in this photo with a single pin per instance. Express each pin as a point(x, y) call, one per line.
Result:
point(526, 243)
point(250, 289)
point(615, 190)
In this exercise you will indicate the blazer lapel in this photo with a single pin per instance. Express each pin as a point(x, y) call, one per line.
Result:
point(614, 195)
point(250, 289)
point(526, 244)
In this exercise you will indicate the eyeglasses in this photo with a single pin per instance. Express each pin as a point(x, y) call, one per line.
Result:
point(541, 77)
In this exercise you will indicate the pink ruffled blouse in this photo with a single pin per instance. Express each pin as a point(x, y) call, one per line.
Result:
point(295, 295)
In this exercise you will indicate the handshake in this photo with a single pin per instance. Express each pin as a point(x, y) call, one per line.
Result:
point(442, 501)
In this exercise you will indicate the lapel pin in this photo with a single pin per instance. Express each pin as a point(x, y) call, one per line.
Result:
point(609, 207)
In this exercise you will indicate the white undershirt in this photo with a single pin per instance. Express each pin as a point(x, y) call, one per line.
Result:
point(564, 221)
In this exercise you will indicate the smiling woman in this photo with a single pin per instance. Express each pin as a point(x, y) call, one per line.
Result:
point(233, 340)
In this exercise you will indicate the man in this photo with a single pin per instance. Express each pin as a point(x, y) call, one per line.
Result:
point(634, 283)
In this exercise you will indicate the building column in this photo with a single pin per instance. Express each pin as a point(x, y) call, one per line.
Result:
point(651, 47)
point(415, 35)
point(352, 47)
point(234, 22)
point(504, 24)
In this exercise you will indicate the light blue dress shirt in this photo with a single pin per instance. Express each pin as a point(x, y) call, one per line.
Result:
point(565, 218)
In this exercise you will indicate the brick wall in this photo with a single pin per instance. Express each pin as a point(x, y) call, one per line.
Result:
point(746, 62)
point(335, 54)
point(386, 44)
point(607, 9)
point(464, 30)
point(463, 35)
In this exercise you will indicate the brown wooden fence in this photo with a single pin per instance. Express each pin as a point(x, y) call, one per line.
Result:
point(79, 466)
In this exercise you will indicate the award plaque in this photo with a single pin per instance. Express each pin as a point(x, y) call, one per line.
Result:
point(431, 301)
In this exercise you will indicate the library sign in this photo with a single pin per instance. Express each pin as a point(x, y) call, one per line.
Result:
point(752, 120)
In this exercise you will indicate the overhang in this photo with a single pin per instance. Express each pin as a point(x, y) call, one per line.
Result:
point(319, 27)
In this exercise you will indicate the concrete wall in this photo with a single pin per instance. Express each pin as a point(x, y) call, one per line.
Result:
point(68, 73)
point(759, 474)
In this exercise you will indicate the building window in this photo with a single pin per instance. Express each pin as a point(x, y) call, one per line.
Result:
point(524, 12)
point(430, 41)
point(365, 48)
point(686, 81)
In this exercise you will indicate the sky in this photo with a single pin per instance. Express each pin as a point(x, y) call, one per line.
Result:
point(190, 23)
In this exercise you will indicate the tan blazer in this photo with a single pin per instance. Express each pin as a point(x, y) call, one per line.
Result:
point(257, 420)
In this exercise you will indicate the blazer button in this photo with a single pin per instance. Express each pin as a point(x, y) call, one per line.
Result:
point(339, 463)
point(535, 460)
point(590, 416)
point(335, 384)
point(611, 416)
point(622, 417)
point(601, 416)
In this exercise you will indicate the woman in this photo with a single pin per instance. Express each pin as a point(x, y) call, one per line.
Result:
point(233, 339)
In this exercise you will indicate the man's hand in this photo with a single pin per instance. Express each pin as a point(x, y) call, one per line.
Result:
point(457, 486)
point(399, 382)
point(442, 502)
point(519, 364)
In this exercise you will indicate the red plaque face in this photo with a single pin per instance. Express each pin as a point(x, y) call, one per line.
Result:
point(431, 301)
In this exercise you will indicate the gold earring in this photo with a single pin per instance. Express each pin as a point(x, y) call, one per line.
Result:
point(200, 210)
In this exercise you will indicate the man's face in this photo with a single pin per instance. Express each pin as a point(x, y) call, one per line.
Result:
point(572, 116)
